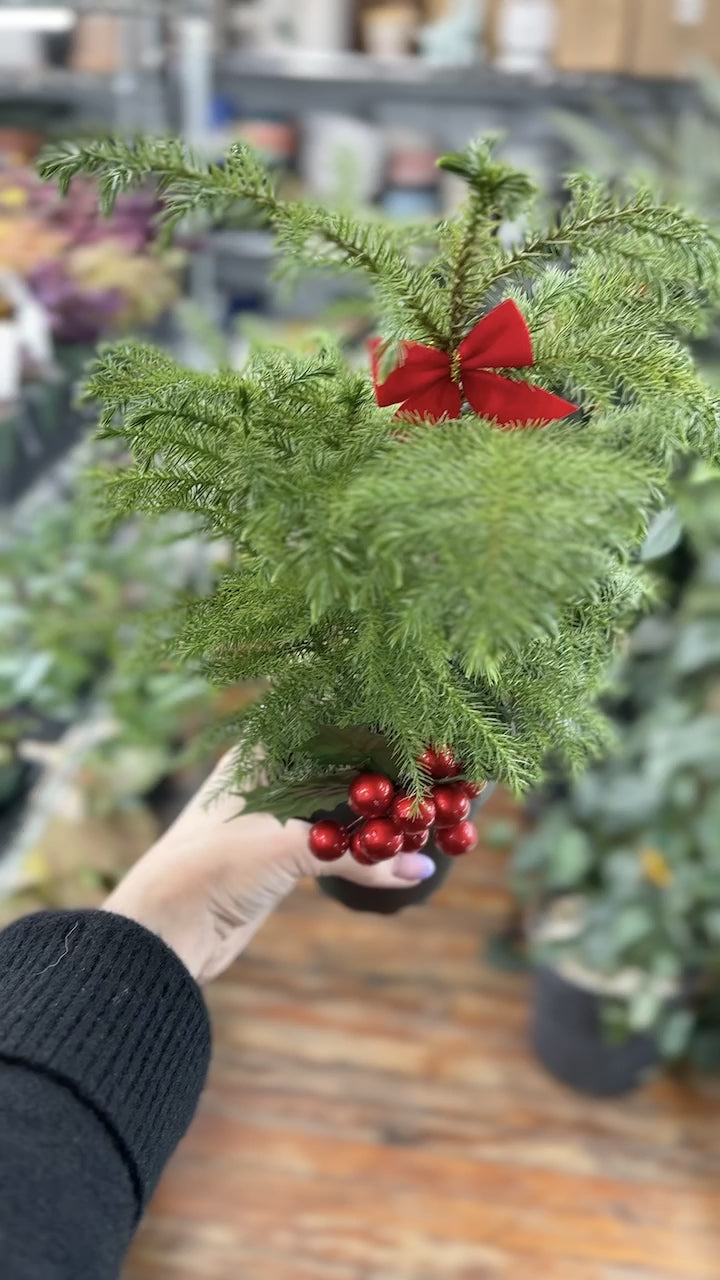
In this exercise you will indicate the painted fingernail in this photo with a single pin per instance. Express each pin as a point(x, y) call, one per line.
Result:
point(414, 866)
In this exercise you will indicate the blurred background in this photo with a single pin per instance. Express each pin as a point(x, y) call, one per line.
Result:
point(522, 1077)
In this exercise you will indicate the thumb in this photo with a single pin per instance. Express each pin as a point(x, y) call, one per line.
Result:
point(287, 843)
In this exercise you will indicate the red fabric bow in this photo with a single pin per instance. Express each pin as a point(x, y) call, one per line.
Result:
point(424, 383)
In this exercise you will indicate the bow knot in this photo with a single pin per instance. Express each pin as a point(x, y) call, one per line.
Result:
point(431, 383)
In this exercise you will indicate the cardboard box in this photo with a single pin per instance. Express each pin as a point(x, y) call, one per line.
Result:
point(671, 36)
point(96, 44)
point(592, 36)
point(489, 33)
point(711, 33)
point(436, 10)
point(709, 42)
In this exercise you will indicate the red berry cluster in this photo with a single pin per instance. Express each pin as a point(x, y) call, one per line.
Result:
point(391, 822)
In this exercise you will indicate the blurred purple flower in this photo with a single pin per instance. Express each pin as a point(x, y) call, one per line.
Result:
point(79, 313)
point(78, 214)
point(76, 314)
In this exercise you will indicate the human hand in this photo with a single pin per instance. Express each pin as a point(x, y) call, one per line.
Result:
point(206, 886)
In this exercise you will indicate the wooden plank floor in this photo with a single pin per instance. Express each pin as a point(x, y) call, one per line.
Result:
point(373, 1113)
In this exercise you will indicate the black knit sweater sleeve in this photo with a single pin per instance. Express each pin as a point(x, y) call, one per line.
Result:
point(104, 1048)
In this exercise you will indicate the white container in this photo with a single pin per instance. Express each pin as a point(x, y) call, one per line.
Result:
point(10, 361)
point(272, 25)
point(322, 26)
point(20, 51)
point(31, 321)
point(525, 35)
point(342, 157)
point(298, 26)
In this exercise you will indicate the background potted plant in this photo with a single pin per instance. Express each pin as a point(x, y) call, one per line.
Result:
point(423, 579)
point(72, 602)
point(678, 152)
point(628, 963)
point(90, 276)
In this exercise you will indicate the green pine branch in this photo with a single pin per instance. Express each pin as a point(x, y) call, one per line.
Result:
point(496, 192)
point(188, 185)
point(597, 220)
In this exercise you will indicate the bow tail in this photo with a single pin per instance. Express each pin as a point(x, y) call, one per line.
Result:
point(511, 403)
point(441, 400)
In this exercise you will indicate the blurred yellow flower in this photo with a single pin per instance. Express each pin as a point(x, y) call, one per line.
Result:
point(36, 869)
point(26, 242)
point(656, 868)
point(148, 282)
point(13, 197)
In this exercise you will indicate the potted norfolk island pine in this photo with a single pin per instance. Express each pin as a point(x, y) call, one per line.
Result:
point(432, 556)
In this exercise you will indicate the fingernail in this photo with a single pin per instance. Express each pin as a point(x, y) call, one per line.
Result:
point(414, 866)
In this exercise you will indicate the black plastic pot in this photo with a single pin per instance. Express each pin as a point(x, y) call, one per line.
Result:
point(387, 902)
point(17, 786)
point(18, 776)
point(569, 1039)
point(58, 47)
point(44, 428)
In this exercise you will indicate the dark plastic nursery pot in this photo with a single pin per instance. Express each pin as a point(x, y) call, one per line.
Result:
point(568, 1037)
point(387, 902)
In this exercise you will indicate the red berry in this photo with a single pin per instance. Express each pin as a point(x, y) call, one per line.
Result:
point(411, 815)
point(380, 839)
point(413, 841)
point(328, 840)
point(473, 789)
point(452, 804)
point(358, 851)
point(371, 795)
point(439, 763)
point(457, 840)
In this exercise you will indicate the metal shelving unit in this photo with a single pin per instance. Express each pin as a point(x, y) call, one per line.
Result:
point(149, 93)
point(243, 259)
point(146, 92)
point(51, 85)
point(449, 103)
point(355, 81)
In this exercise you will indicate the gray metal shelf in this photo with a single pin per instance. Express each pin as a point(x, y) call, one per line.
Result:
point(55, 84)
point(126, 8)
point(355, 81)
point(243, 260)
point(147, 91)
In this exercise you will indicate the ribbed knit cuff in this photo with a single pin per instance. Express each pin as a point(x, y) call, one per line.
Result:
point(98, 1002)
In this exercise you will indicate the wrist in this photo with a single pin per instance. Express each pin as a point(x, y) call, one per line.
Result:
point(173, 916)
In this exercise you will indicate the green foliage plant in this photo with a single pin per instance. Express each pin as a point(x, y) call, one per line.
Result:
point(637, 838)
point(678, 152)
point(392, 584)
point(73, 603)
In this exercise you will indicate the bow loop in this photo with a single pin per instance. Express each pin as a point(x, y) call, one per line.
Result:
point(425, 382)
point(501, 340)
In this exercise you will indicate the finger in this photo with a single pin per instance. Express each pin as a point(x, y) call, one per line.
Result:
point(397, 873)
point(286, 843)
